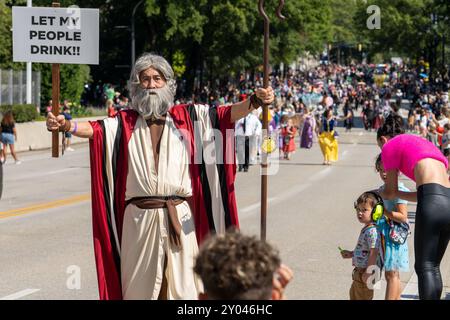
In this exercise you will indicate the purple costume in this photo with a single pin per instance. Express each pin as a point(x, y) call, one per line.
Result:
point(306, 140)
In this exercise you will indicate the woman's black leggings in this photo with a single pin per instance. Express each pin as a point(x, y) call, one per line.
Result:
point(432, 234)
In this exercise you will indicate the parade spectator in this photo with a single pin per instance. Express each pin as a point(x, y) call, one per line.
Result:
point(308, 129)
point(233, 266)
point(246, 131)
point(396, 256)
point(110, 108)
point(327, 140)
point(423, 123)
point(368, 115)
point(49, 106)
point(433, 135)
point(124, 102)
point(110, 92)
point(348, 116)
point(288, 134)
point(446, 141)
point(411, 118)
point(423, 163)
point(67, 135)
point(366, 257)
point(9, 136)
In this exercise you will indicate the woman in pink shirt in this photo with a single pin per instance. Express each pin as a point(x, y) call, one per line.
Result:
point(422, 162)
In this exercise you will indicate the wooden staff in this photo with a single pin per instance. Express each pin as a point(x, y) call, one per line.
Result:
point(55, 99)
point(265, 114)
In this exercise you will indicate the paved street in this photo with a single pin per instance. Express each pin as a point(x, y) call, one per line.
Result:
point(46, 237)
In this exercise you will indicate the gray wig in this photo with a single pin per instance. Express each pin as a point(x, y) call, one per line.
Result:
point(152, 102)
point(150, 60)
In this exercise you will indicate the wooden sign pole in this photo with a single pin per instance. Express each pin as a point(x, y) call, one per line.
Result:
point(55, 99)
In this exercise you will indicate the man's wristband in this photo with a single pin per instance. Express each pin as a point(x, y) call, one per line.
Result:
point(75, 127)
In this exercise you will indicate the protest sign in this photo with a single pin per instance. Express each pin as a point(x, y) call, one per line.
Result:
point(55, 35)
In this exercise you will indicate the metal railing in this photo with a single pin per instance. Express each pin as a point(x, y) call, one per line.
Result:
point(13, 87)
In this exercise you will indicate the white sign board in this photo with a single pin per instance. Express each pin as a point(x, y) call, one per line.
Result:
point(55, 35)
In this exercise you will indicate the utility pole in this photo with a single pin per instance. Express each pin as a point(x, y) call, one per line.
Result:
point(133, 48)
point(29, 73)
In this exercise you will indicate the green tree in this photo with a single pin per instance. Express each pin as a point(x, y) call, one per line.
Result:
point(343, 26)
point(73, 77)
point(5, 36)
point(405, 26)
point(225, 37)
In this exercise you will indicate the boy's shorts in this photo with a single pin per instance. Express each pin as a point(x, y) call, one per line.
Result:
point(359, 289)
point(68, 135)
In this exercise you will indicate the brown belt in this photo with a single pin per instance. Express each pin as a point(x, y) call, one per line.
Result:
point(169, 202)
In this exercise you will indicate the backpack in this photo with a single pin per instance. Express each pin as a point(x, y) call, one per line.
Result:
point(398, 232)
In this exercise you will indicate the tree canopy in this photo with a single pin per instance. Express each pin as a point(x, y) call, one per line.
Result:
point(210, 39)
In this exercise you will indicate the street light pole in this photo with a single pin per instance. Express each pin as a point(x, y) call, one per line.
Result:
point(133, 49)
point(29, 72)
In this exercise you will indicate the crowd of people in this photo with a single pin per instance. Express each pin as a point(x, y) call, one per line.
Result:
point(230, 265)
point(317, 99)
point(311, 104)
point(303, 98)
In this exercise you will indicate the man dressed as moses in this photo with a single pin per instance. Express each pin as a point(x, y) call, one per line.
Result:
point(162, 179)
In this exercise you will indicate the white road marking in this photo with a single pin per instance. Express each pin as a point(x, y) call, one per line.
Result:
point(321, 174)
point(252, 209)
point(45, 174)
point(20, 294)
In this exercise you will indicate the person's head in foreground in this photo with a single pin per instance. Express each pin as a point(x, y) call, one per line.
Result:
point(233, 266)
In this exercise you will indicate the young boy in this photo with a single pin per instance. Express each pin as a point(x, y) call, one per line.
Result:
point(366, 257)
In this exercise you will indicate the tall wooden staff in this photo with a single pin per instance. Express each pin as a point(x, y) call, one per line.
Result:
point(265, 113)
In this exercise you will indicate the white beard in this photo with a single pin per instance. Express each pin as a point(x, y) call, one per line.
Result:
point(152, 102)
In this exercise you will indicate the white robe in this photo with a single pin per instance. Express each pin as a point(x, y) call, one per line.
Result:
point(145, 241)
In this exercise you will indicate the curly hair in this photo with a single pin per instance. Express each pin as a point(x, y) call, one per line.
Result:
point(393, 126)
point(237, 267)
